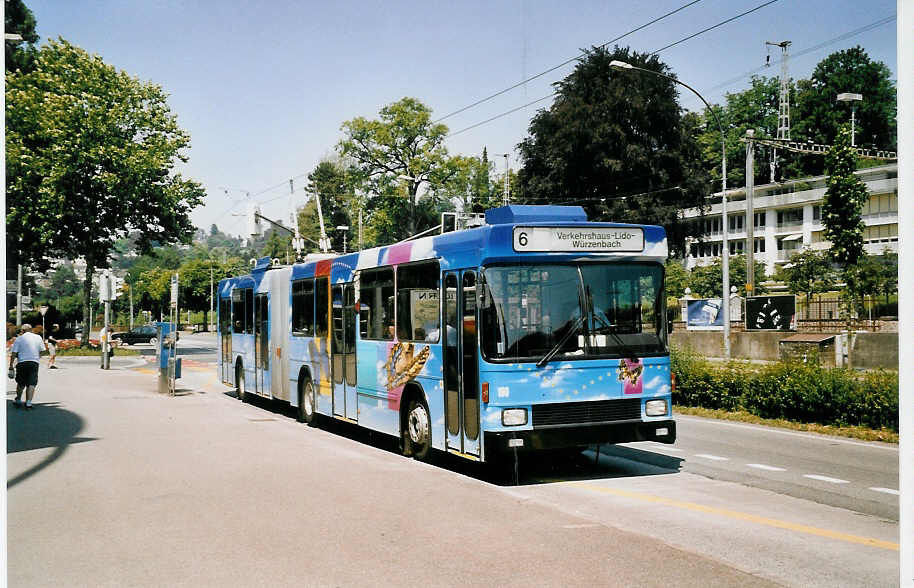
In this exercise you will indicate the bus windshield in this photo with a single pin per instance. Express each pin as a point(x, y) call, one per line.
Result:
point(541, 312)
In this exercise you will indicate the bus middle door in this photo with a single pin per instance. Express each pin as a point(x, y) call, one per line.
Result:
point(261, 344)
point(342, 351)
point(461, 368)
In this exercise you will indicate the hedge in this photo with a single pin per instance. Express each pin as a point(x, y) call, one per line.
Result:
point(792, 390)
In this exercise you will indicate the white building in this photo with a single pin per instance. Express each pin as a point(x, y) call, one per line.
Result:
point(788, 218)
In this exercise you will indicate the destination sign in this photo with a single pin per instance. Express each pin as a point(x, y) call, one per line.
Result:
point(623, 239)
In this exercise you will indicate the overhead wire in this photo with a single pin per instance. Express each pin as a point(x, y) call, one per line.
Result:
point(806, 51)
point(564, 63)
point(684, 39)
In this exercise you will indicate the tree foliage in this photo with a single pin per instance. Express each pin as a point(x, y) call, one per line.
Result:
point(808, 272)
point(842, 207)
point(91, 156)
point(819, 117)
point(20, 56)
point(612, 142)
point(402, 142)
point(333, 183)
point(706, 281)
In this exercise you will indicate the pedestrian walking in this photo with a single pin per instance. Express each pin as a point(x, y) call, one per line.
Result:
point(52, 345)
point(24, 354)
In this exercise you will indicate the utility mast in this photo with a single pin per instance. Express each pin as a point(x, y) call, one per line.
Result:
point(783, 101)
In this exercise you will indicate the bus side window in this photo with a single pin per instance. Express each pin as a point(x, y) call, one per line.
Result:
point(376, 316)
point(417, 301)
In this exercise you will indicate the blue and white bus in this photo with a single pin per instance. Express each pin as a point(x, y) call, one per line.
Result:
point(535, 330)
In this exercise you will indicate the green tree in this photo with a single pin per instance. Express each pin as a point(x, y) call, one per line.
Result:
point(808, 272)
point(754, 108)
point(612, 142)
point(842, 207)
point(819, 118)
point(676, 278)
point(91, 157)
point(278, 245)
point(333, 183)
point(469, 185)
point(402, 142)
point(706, 281)
point(20, 56)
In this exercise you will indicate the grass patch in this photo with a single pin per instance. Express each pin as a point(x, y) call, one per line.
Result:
point(854, 432)
point(90, 352)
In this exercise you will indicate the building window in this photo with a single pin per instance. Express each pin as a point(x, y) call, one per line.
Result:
point(737, 247)
point(759, 219)
point(759, 245)
point(790, 217)
point(881, 204)
point(736, 222)
point(817, 212)
point(713, 226)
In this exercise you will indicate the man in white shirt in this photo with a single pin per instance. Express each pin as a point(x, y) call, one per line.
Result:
point(27, 351)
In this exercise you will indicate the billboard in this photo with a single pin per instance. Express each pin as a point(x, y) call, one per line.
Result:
point(705, 314)
point(771, 313)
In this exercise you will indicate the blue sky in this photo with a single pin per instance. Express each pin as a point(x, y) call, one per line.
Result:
point(263, 87)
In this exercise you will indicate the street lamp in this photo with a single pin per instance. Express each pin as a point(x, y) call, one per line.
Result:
point(725, 254)
point(853, 99)
point(343, 228)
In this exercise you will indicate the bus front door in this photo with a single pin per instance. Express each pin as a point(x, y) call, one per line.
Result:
point(342, 350)
point(261, 344)
point(461, 370)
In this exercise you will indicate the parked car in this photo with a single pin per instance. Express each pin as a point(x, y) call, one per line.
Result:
point(144, 334)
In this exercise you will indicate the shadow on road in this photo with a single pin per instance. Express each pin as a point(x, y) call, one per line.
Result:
point(607, 461)
point(47, 425)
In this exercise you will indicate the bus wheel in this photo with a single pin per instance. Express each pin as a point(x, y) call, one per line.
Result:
point(418, 442)
point(239, 382)
point(306, 403)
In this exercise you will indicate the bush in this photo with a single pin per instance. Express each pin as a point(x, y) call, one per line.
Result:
point(793, 390)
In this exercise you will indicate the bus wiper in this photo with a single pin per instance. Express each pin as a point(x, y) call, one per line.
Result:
point(621, 343)
point(555, 349)
point(608, 327)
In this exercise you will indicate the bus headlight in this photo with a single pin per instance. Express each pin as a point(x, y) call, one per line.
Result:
point(513, 417)
point(655, 407)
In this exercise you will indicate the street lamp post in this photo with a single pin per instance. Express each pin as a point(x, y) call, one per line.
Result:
point(343, 228)
point(725, 254)
point(853, 99)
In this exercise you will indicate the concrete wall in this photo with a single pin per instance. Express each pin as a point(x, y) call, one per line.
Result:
point(871, 350)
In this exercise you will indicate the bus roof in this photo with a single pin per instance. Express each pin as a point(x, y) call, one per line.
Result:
point(511, 234)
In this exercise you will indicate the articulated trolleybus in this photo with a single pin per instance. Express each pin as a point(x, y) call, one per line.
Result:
point(536, 330)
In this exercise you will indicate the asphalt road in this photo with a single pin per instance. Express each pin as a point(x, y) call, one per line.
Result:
point(110, 483)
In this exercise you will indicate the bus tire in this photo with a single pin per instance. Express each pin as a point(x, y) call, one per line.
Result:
point(306, 402)
point(418, 438)
point(239, 382)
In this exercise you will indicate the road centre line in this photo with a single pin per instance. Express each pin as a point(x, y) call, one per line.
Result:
point(825, 479)
point(828, 438)
point(712, 457)
point(742, 516)
point(768, 468)
point(886, 491)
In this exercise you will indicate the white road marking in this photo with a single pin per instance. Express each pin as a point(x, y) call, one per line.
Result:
point(825, 479)
point(712, 457)
point(886, 491)
point(581, 526)
point(768, 468)
point(775, 430)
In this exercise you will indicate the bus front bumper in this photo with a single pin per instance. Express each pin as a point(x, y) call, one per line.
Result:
point(581, 435)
